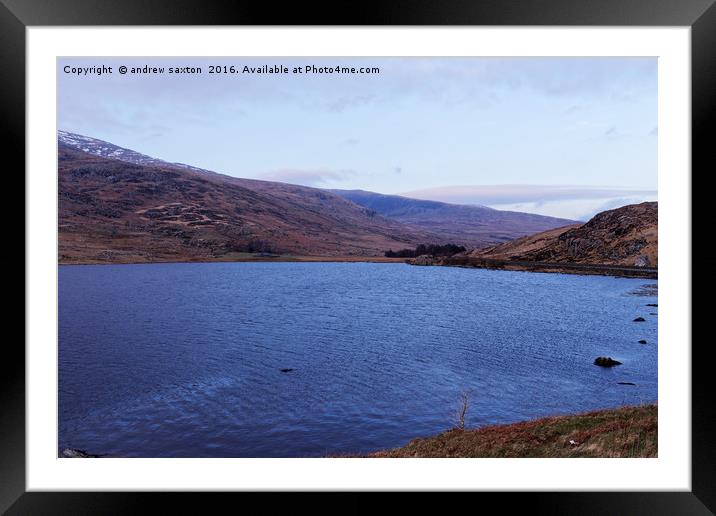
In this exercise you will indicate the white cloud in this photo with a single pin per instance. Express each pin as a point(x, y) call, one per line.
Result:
point(571, 202)
point(581, 209)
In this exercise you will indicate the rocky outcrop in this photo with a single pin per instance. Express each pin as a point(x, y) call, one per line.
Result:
point(642, 261)
point(425, 259)
point(626, 236)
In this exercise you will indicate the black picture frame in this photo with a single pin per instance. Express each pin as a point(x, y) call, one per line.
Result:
point(17, 15)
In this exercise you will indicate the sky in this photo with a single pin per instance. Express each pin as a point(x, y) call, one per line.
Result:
point(565, 137)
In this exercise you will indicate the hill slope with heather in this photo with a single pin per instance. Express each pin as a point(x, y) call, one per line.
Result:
point(118, 212)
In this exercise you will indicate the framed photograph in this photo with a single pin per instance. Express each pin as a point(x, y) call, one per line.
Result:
point(444, 248)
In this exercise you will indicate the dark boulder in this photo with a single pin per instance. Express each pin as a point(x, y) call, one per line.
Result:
point(642, 341)
point(639, 319)
point(286, 370)
point(606, 361)
point(652, 304)
point(625, 383)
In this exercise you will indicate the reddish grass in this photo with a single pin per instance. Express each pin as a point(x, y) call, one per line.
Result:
point(622, 432)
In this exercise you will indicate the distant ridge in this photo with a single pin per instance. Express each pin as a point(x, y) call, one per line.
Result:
point(468, 225)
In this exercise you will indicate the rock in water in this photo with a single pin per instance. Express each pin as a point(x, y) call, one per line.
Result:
point(626, 383)
point(642, 341)
point(606, 361)
point(639, 319)
point(286, 370)
point(652, 304)
point(73, 453)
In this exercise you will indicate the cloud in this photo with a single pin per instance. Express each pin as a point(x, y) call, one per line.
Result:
point(572, 202)
point(345, 102)
point(620, 79)
point(515, 193)
point(448, 81)
point(575, 209)
point(307, 177)
point(613, 134)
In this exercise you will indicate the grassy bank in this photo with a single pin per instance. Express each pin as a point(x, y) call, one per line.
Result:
point(622, 432)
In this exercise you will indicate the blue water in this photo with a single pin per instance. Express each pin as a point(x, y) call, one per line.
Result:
point(183, 360)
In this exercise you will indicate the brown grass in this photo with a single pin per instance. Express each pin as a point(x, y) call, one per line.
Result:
point(622, 432)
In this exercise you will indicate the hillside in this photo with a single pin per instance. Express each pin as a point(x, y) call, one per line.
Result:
point(623, 432)
point(471, 226)
point(105, 149)
point(626, 236)
point(118, 211)
point(119, 205)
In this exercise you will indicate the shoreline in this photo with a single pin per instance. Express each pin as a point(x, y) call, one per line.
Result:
point(584, 269)
point(462, 262)
point(249, 259)
point(628, 431)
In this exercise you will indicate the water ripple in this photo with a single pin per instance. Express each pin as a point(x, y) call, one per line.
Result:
point(184, 360)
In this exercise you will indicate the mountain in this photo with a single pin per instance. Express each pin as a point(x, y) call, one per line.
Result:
point(109, 150)
point(117, 210)
point(626, 236)
point(118, 205)
point(471, 226)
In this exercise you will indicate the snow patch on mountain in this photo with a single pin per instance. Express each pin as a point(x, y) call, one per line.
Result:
point(107, 150)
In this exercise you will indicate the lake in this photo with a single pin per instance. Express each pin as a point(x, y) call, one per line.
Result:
point(185, 360)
